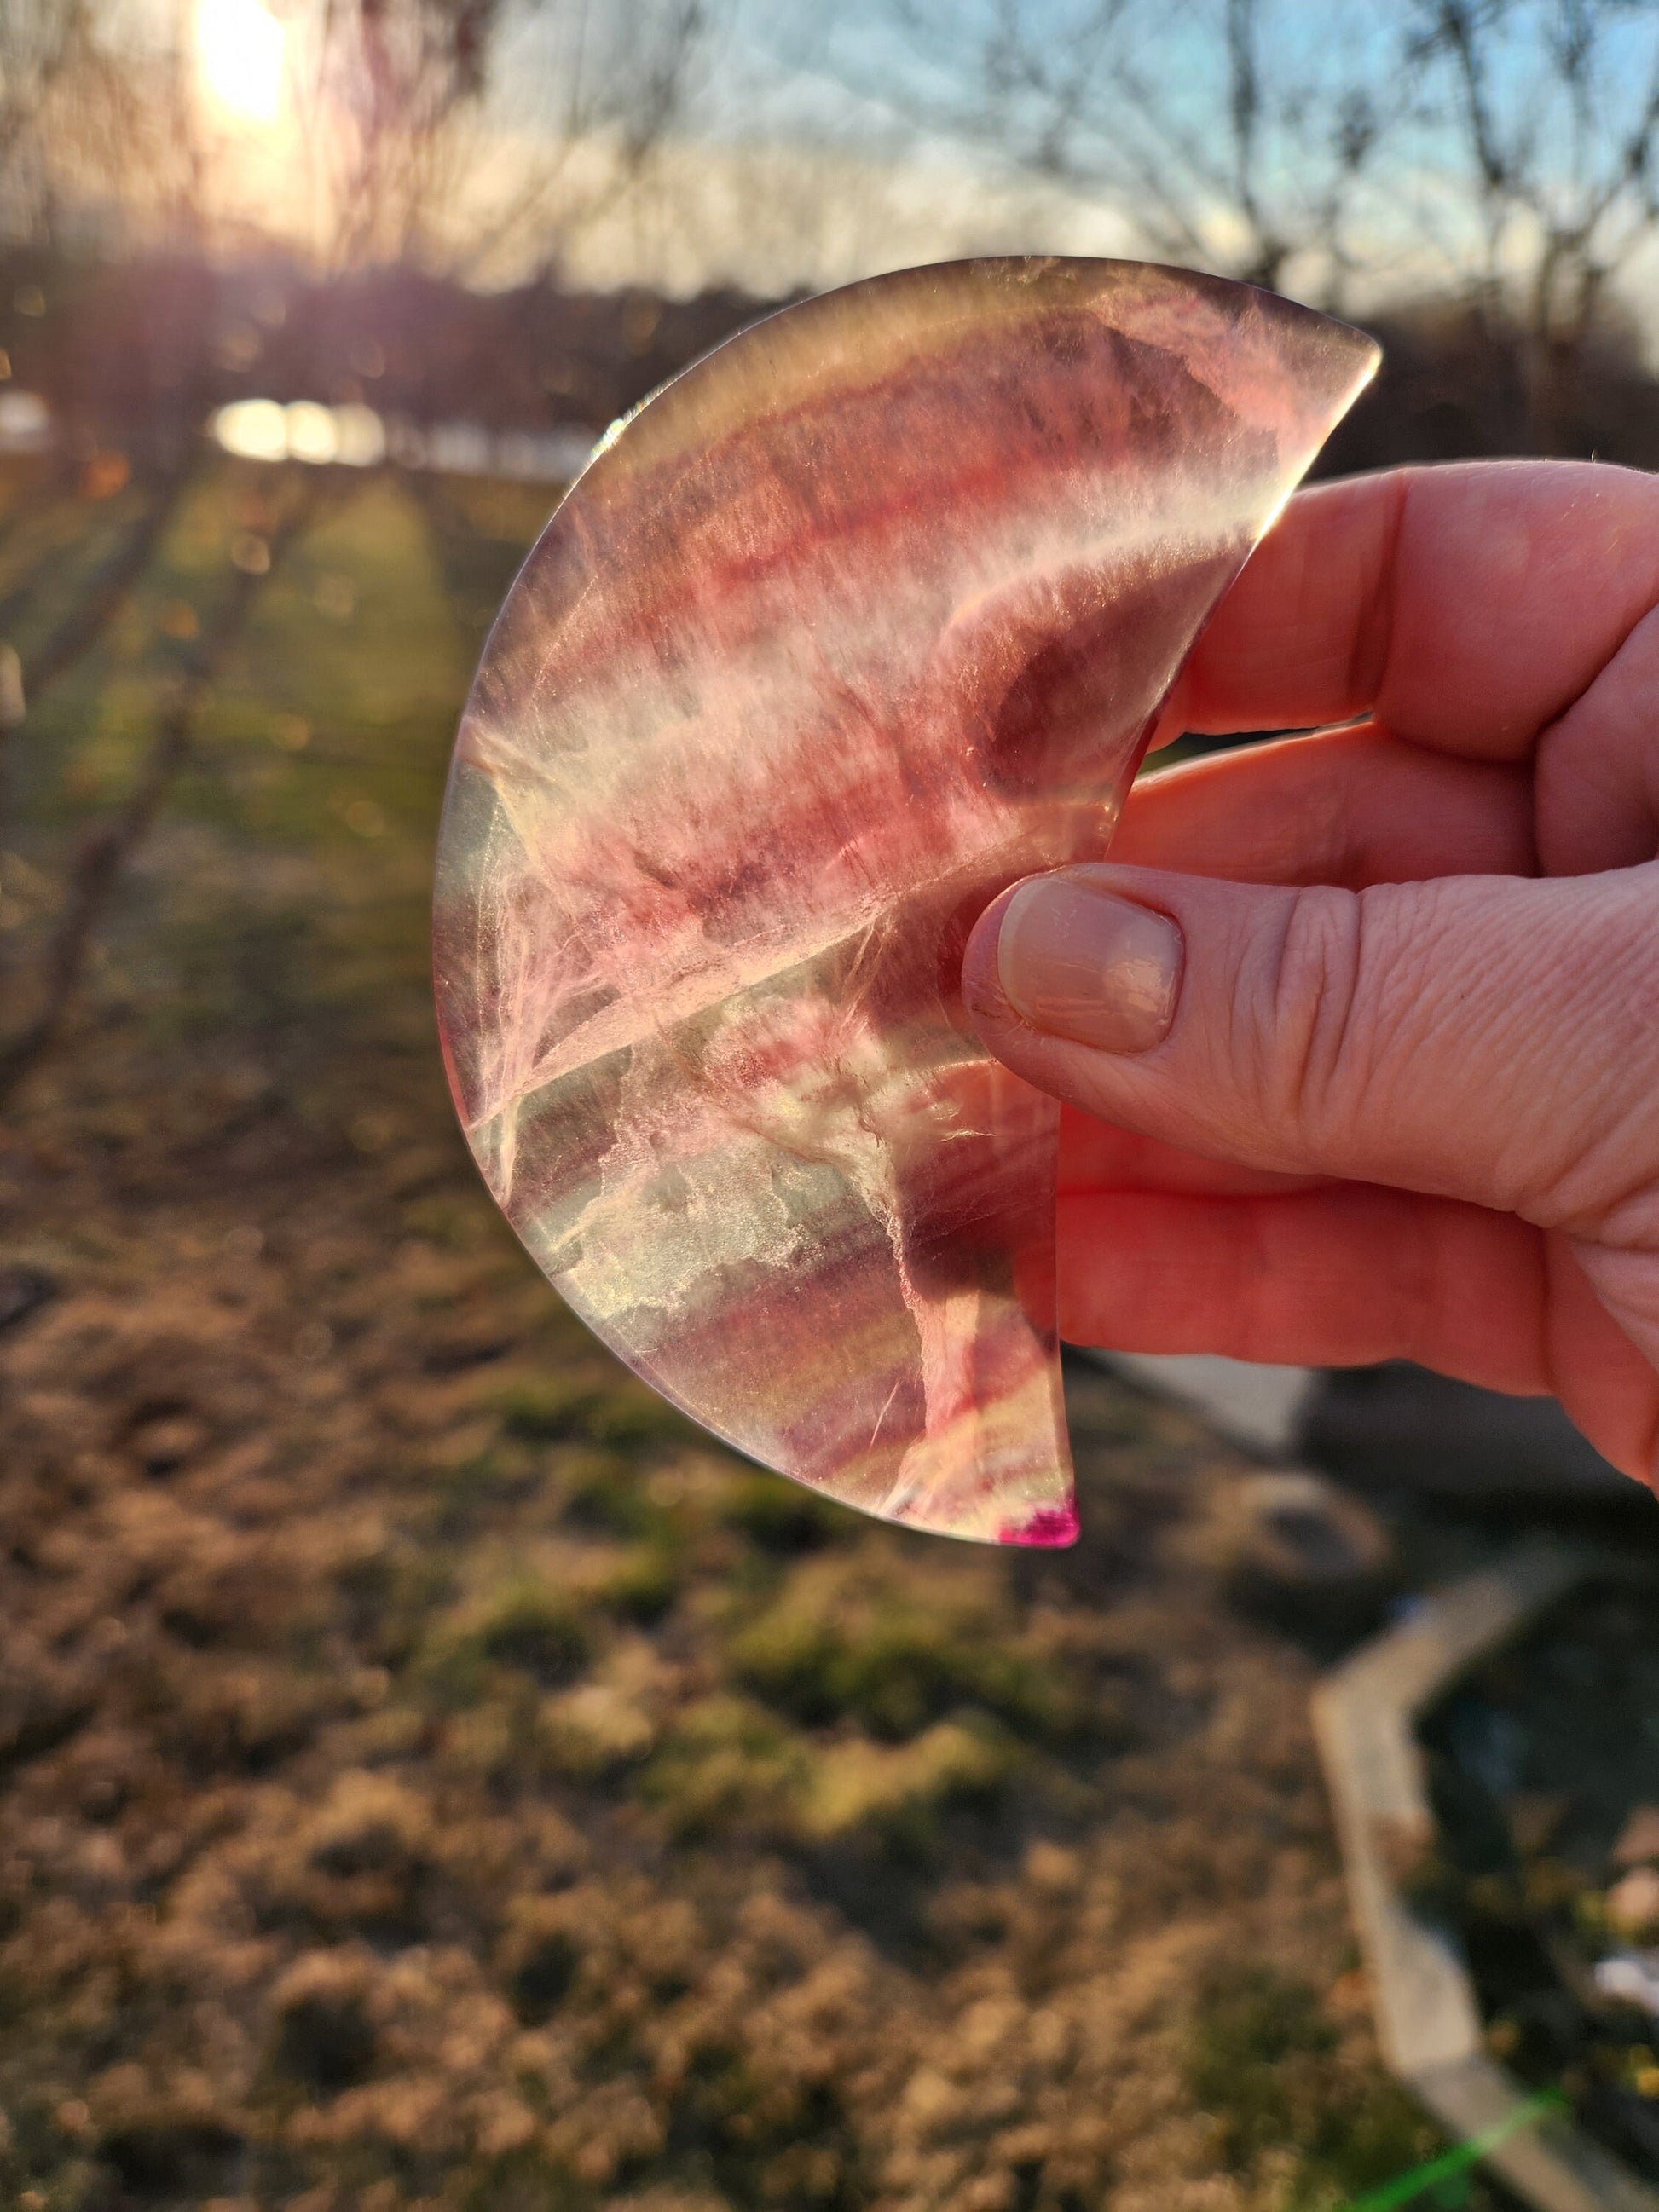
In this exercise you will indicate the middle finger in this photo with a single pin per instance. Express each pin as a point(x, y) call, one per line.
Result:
point(1348, 806)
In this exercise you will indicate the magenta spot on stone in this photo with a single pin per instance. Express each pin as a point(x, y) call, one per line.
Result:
point(1054, 1525)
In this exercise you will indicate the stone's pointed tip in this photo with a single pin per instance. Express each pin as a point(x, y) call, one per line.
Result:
point(1040, 1527)
point(1052, 1528)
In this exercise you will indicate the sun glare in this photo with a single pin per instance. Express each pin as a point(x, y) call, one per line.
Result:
point(239, 45)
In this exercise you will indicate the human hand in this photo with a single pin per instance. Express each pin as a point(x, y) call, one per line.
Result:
point(1357, 1036)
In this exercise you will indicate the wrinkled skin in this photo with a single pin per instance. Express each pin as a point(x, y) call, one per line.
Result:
point(1408, 1104)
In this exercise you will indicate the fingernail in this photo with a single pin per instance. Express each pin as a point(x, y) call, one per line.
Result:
point(1078, 962)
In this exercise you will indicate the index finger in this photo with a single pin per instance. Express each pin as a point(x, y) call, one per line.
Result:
point(1465, 606)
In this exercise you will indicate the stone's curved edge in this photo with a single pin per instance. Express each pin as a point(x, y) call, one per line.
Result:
point(1364, 1715)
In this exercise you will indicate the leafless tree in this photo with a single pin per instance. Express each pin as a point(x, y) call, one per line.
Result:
point(1505, 148)
point(1551, 111)
point(1228, 134)
point(38, 38)
point(451, 132)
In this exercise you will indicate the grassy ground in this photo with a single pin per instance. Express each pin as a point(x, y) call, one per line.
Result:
point(435, 1776)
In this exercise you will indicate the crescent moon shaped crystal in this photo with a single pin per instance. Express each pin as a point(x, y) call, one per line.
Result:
point(864, 616)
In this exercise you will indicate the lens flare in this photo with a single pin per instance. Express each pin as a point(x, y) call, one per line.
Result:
point(240, 47)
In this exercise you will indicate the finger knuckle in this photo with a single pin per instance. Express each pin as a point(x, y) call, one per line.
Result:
point(1310, 1047)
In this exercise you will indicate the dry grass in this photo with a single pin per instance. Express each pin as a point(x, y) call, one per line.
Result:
point(436, 1776)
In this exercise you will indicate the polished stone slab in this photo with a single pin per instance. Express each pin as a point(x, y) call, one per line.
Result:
point(863, 617)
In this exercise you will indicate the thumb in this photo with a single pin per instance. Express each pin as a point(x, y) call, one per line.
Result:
point(1484, 1037)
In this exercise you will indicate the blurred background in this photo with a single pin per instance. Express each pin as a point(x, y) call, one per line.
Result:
point(431, 1775)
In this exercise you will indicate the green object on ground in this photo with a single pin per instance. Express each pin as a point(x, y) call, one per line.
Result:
point(1459, 2160)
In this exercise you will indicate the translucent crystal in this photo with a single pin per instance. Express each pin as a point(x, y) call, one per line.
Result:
point(864, 616)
